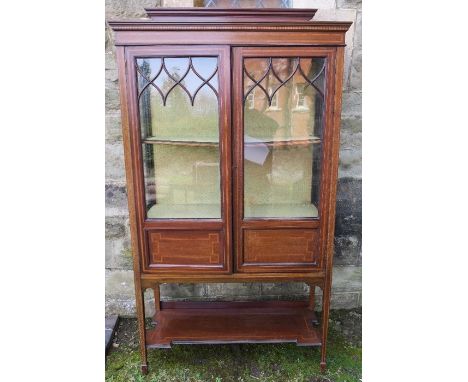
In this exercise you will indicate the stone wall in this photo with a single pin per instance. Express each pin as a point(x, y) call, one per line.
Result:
point(346, 292)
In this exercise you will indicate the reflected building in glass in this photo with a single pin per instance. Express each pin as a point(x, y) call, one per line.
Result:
point(283, 111)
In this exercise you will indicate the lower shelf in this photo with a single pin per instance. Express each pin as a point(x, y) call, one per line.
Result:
point(234, 322)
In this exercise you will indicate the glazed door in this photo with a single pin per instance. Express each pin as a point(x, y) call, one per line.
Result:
point(281, 110)
point(181, 135)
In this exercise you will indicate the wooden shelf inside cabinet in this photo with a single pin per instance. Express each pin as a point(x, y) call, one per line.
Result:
point(173, 142)
point(234, 322)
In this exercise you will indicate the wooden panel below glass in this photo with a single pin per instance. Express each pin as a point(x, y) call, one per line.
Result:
point(280, 248)
point(173, 249)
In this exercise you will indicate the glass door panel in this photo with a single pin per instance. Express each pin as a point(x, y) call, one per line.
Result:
point(179, 118)
point(283, 123)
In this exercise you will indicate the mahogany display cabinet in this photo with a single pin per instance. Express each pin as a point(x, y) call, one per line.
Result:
point(231, 127)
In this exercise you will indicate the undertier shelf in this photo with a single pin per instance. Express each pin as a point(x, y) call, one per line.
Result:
point(234, 322)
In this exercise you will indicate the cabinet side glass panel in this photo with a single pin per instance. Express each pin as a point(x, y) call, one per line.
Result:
point(179, 120)
point(283, 122)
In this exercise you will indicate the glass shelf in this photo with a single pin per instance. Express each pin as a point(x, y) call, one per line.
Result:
point(283, 142)
point(181, 142)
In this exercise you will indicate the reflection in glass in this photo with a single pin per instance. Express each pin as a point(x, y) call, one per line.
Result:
point(283, 122)
point(180, 134)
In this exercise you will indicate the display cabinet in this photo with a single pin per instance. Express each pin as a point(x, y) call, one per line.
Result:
point(231, 134)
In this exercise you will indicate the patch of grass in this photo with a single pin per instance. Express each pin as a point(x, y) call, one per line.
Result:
point(241, 363)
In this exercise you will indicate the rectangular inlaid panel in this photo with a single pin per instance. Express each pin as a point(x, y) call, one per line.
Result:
point(189, 248)
point(281, 246)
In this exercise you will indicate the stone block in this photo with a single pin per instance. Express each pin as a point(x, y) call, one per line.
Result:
point(358, 32)
point(119, 9)
point(113, 126)
point(318, 4)
point(116, 200)
point(340, 301)
point(112, 96)
point(351, 149)
point(350, 163)
point(115, 166)
point(118, 253)
point(232, 290)
point(177, 3)
point(344, 300)
point(349, 4)
point(181, 291)
point(115, 227)
point(355, 81)
point(283, 289)
point(351, 126)
point(346, 279)
point(333, 14)
point(110, 61)
point(348, 250)
point(348, 219)
point(352, 105)
point(112, 75)
point(122, 307)
point(119, 284)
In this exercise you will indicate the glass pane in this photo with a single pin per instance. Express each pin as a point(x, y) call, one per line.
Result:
point(179, 120)
point(283, 122)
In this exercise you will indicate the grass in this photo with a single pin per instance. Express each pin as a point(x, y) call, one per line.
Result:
point(246, 362)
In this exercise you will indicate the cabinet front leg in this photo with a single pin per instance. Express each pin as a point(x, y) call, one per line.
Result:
point(140, 306)
point(325, 316)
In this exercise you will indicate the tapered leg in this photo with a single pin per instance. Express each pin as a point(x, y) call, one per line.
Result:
point(312, 297)
point(140, 305)
point(325, 315)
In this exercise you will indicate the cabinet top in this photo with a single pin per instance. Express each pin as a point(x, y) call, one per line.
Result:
point(258, 26)
point(227, 15)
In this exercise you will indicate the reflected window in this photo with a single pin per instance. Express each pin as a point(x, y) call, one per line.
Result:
point(283, 136)
point(300, 97)
point(251, 101)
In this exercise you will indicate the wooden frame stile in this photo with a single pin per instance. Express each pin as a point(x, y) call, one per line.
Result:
point(254, 33)
point(139, 296)
point(333, 173)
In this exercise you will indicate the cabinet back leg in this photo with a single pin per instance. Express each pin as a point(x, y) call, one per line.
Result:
point(157, 298)
point(312, 297)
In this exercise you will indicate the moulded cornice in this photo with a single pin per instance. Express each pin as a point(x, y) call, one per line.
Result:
point(284, 27)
